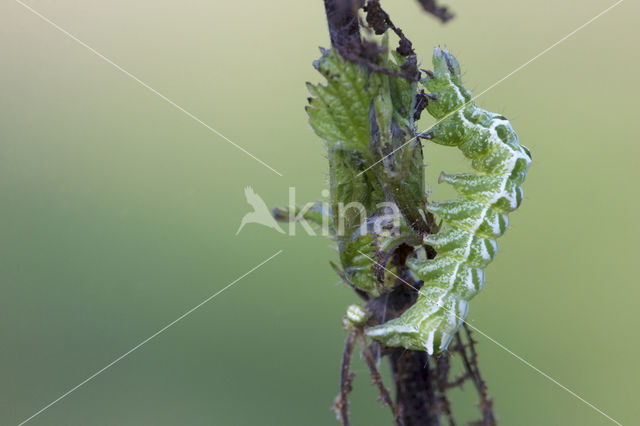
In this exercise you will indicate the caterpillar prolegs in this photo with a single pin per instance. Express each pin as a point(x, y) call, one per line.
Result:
point(466, 242)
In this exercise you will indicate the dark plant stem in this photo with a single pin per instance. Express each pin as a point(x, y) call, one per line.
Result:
point(344, 28)
point(421, 382)
point(416, 399)
point(416, 402)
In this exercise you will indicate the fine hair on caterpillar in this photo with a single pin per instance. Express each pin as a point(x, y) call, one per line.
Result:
point(466, 241)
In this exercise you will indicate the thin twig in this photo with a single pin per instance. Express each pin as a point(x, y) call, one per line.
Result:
point(440, 12)
point(341, 403)
point(441, 374)
point(377, 378)
point(486, 403)
point(465, 359)
point(458, 381)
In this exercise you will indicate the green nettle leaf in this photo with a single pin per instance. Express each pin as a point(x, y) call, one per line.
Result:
point(363, 116)
point(339, 110)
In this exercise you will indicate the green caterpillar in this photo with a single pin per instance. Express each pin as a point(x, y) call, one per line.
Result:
point(465, 243)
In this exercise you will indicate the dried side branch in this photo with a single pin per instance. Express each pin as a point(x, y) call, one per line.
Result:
point(380, 22)
point(486, 403)
point(385, 397)
point(341, 403)
point(470, 362)
point(441, 375)
point(440, 12)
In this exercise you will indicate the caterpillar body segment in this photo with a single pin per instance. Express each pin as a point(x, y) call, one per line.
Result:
point(466, 242)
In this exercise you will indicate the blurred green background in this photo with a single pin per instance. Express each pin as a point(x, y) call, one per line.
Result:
point(119, 213)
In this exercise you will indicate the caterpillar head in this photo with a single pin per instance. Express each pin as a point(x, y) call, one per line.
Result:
point(445, 85)
point(445, 65)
